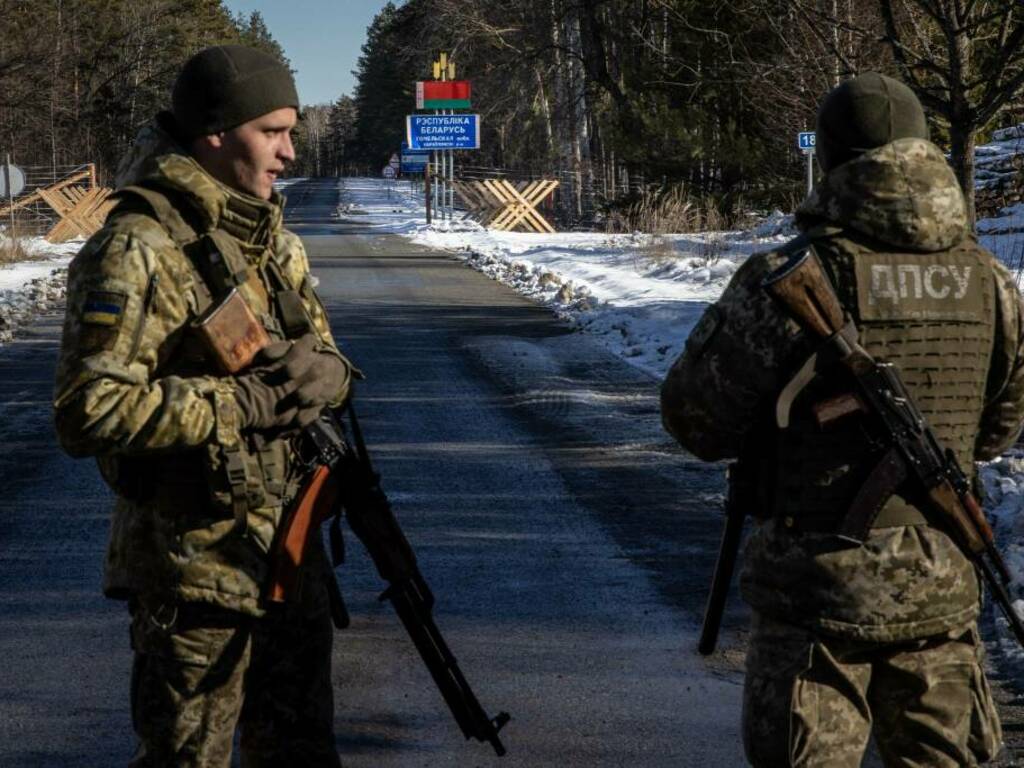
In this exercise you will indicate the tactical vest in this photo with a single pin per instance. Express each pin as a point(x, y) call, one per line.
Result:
point(256, 473)
point(933, 316)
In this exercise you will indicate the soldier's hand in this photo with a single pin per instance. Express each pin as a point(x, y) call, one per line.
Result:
point(294, 380)
point(321, 376)
point(263, 400)
point(326, 380)
point(273, 353)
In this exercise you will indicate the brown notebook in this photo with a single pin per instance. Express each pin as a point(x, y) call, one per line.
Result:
point(232, 333)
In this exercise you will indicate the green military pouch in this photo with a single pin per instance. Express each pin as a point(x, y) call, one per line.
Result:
point(295, 321)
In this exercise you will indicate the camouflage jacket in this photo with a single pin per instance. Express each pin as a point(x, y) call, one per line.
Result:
point(719, 397)
point(138, 391)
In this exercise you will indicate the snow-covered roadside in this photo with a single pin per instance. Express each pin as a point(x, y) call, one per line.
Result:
point(282, 185)
point(1004, 487)
point(28, 288)
point(394, 207)
point(640, 295)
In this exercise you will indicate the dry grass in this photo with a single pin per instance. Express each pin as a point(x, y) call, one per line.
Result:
point(711, 248)
point(657, 250)
point(667, 210)
point(12, 251)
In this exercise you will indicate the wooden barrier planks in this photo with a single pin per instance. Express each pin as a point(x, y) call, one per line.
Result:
point(82, 211)
point(500, 204)
point(80, 205)
point(34, 197)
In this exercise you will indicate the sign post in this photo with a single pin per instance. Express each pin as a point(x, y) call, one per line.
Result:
point(14, 182)
point(413, 161)
point(441, 134)
point(807, 141)
point(426, 189)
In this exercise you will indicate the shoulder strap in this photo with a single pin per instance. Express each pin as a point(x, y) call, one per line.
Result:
point(196, 246)
point(181, 232)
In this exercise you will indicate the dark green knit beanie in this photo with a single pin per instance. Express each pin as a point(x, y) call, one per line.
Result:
point(863, 113)
point(227, 85)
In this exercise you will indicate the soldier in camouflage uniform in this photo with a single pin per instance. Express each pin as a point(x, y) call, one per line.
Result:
point(202, 462)
point(879, 637)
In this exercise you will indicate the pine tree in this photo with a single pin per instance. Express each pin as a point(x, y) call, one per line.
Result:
point(253, 31)
point(385, 82)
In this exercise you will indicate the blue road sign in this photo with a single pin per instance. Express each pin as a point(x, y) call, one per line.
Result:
point(805, 140)
point(443, 131)
point(413, 161)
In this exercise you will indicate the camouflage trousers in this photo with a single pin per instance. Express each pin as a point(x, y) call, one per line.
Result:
point(201, 672)
point(811, 700)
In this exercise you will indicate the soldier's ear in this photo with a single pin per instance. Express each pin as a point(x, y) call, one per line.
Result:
point(214, 140)
point(208, 151)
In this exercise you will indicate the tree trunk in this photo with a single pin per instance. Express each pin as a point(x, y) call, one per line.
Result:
point(545, 109)
point(580, 127)
point(962, 144)
point(563, 108)
point(57, 56)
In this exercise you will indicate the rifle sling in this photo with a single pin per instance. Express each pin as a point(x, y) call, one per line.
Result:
point(866, 511)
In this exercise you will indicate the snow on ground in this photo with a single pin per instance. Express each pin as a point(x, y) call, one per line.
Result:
point(995, 159)
point(30, 287)
point(394, 207)
point(1004, 486)
point(282, 185)
point(640, 295)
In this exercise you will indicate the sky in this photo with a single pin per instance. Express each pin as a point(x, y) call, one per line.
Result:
point(321, 38)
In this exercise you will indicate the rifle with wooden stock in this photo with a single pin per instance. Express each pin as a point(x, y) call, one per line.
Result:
point(913, 453)
point(342, 478)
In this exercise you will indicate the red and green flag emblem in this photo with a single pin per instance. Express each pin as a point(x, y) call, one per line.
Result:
point(442, 94)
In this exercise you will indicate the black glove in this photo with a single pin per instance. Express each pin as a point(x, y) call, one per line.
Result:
point(291, 384)
point(321, 377)
point(264, 401)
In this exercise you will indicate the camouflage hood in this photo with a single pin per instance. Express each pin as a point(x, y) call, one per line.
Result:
point(903, 193)
point(157, 160)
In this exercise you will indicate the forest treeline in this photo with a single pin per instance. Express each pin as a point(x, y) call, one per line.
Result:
point(622, 100)
point(78, 78)
point(614, 95)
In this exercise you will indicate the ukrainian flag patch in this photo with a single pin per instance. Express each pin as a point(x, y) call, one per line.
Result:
point(103, 308)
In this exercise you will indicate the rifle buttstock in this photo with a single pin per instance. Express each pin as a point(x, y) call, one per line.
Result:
point(801, 286)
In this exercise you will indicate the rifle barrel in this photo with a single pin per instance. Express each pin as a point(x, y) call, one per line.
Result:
point(732, 531)
point(414, 612)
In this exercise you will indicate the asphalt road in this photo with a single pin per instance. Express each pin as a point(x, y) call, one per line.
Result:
point(567, 540)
